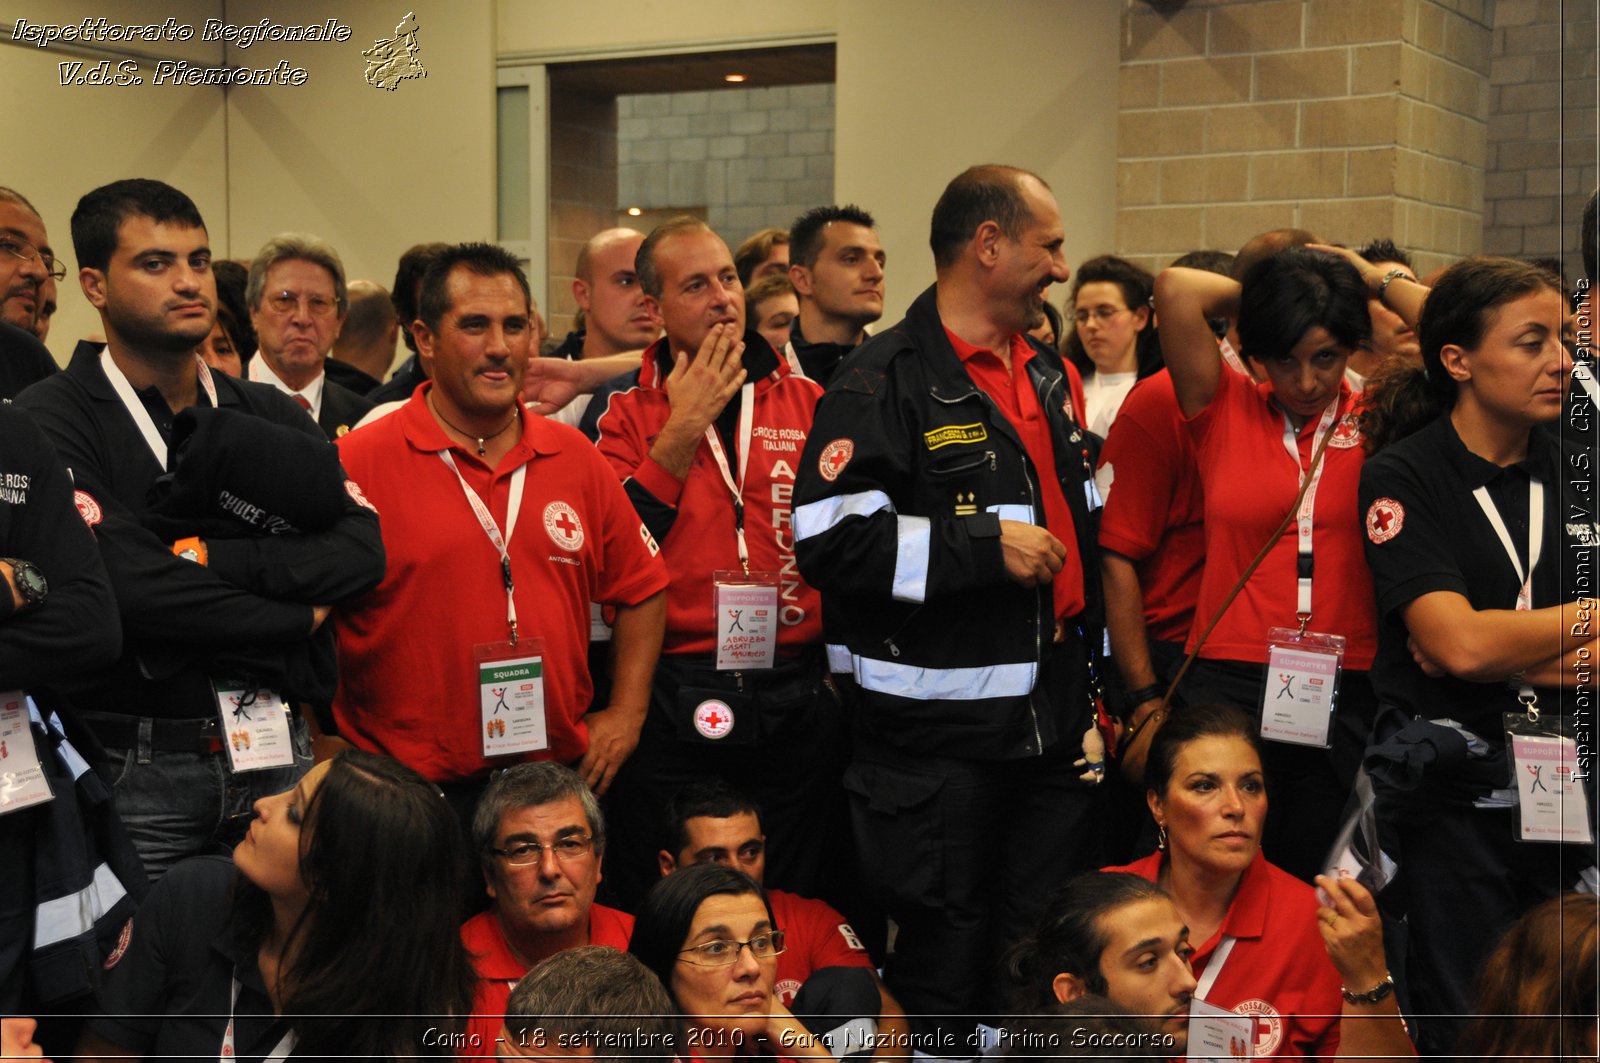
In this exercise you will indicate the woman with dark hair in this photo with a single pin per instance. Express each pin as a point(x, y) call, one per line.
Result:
point(709, 934)
point(1114, 343)
point(1471, 514)
point(1279, 464)
point(1313, 974)
point(1537, 994)
point(333, 933)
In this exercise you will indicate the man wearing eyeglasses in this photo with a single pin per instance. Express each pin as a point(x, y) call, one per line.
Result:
point(27, 268)
point(298, 301)
point(540, 837)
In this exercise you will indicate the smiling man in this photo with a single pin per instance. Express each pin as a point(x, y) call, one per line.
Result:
point(836, 266)
point(28, 272)
point(943, 510)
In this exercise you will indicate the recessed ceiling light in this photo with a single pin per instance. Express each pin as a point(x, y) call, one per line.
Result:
point(734, 79)
point(634, 212)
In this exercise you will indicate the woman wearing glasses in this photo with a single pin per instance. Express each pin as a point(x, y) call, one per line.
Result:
point(1113, 344)
point(331, 933)
point(708, 933)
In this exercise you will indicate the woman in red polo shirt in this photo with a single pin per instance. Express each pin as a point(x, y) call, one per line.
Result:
point(1312, 975)
point(1300, 313)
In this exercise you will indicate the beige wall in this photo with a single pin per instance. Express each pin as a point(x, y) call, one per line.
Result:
point(1025, 82)
point(542, 26)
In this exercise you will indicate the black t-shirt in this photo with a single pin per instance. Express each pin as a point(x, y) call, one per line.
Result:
point(169, 994)
point(1426, 532)
point(23, 361)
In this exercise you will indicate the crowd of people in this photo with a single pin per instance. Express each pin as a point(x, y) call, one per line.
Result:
point(1204, 666)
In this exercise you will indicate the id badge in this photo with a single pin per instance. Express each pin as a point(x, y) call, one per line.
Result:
point(1551, 800)
point(511, 696)
point(1297, 701)
point(747, 620)
point(1219, 1034)
point(255, 727)
point(22, 779)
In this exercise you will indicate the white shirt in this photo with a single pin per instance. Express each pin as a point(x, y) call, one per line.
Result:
point(1103, 394)
point(262, 373)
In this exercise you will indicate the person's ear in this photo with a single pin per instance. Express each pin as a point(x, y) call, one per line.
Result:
point(1454, 360)
point(1068, 987)
point(666, 862)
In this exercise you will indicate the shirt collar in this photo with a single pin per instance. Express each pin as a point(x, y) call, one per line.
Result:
point(1247, 915)
point(260, 372)
point(1477, 472)
point(1021, 351)
point(539, 436)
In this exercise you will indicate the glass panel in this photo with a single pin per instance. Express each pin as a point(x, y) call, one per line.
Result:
point(511, 164)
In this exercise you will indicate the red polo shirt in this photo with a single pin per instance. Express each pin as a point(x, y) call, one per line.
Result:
point(1013, 393)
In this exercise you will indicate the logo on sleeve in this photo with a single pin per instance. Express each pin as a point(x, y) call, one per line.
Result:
point(851, 941)
point(115, 955)
point(649, 541)
point(835, 456)
point(88, 508)
point(1385, 518)
point(353, 489)
point(561, 522)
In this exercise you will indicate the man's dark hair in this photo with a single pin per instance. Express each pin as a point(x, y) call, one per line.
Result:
point(644, 260)
point(662, 927)
point(1384, 250)
point(806, 235)
point(1588, 238)
point(1071, 936)
point(1210, 261)
point(982, 193)
point(100, 214)
point(486, 260)
point(407, 276)
point(596, 996)
point(754, 251)
point(232, 279)
point(1263, 246)
point(714, 799)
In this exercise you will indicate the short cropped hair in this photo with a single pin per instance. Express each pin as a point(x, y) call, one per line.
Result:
point(296, 247)
point(486, 260)
point(806, 234)
point(407, 275)
point(596, 997)
point(981, 193)
point(526, 786)
point(100, 214)
point(755, 250)
point(644, 260)
point(1384, 250)
point(714, 799)
point(371, 313)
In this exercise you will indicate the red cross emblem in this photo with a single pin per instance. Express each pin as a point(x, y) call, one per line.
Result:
point(1385, 518)
point(835, 456)
point(562, 523)
point(713, 719)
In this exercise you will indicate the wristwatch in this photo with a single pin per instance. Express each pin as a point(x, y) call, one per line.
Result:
point(31, 584)
point(1371, 996)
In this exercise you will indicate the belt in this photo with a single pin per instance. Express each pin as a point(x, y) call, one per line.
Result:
point(166, 735)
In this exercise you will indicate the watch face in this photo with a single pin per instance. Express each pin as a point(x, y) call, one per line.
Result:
point(30, 581)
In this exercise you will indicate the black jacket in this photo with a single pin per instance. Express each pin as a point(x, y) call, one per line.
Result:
point(943, 652)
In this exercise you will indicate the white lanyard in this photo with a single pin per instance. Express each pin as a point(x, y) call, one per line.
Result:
point(141, 416)
point(1535, 536)
point(1202, 989)
point(492, 530)
point(280, 1051)
point(746, 416)
point(1308, 505)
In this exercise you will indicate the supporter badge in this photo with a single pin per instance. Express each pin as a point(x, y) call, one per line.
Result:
point(835, 456)
point(1385, 518)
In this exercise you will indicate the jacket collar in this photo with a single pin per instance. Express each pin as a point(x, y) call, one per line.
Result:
point(85, 368)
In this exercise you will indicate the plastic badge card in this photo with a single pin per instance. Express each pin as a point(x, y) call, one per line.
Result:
point(511, 696)
point(1218, 1034)
point(22, 779)
point(747, 620)
point(255, 728)
point(1550, 794)
point(1297, 701)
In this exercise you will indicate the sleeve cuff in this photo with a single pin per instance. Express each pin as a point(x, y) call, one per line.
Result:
point(658, 481)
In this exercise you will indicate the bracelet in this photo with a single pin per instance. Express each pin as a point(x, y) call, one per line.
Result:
point(1134, 698)
point(1388, 278)
point(1371, 996)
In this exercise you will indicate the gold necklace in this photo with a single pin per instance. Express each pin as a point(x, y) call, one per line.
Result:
point(481, 440)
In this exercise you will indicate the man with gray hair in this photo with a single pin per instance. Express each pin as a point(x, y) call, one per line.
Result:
point(298, 301)
point(540, 836)
point(593, 1002)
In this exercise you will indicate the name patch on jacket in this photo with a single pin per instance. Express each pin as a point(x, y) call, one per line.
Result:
point(955, 433)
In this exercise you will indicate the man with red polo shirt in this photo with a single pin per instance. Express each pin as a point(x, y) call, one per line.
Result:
point(540, 839)
point(944, 510)
point(706, 443)
point(500, 528)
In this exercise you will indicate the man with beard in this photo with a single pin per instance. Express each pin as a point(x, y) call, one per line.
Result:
point(27, 267)
point(943, 509)
point(836, 267)
point(205, 621)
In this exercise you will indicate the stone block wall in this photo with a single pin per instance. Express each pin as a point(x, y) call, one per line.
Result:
point(1542, 125)
point(583, 189)
point(750, 157)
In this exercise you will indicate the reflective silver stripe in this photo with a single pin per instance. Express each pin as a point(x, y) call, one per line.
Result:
point(911, 559)
point(814, 518)
point(1013, 511)
point(67, 917)
point(838, 658)
point(944, 684)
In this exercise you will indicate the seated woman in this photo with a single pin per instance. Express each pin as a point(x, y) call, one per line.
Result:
point(708, 933)
point(340, 904)
point(1264, 945)
point(1537, 992)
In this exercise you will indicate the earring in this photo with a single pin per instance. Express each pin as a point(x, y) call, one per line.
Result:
point(1161, 837)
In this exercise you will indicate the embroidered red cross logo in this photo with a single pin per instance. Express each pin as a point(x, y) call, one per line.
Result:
point(565, 523)
point(837, 459)
point(1383, 518)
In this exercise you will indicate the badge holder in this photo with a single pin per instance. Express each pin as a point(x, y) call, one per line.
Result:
point(1302, 683)
point(254, 727)
point(746, 606)
point(511, 696)
point(23, 782)
point(1219, 1034)
point(1551, 802)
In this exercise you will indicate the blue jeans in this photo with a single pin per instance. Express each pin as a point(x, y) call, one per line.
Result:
point(177, 805)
